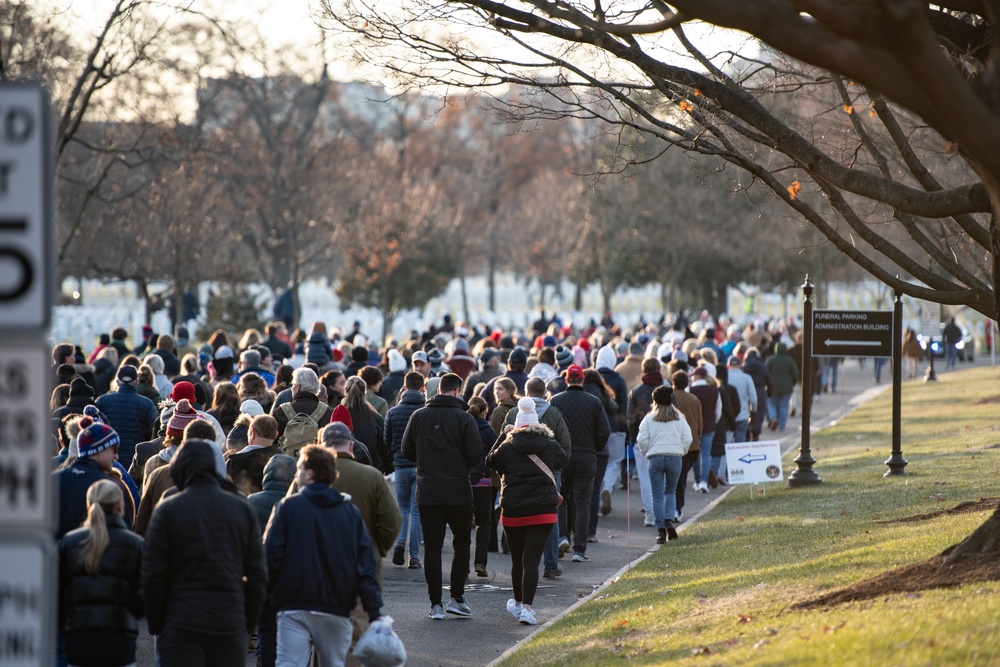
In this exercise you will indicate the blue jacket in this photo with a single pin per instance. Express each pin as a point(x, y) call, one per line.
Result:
point(395, 425)
point(320, 556)
point(131, 416)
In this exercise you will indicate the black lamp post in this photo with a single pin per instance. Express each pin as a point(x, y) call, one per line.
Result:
point(804, 473)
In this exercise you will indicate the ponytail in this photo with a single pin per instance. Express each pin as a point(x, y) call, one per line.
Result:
point(103, 498)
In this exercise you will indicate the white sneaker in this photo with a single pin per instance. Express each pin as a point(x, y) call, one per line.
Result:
point(527, 617)
point(650, 520)
point(703, 487)
point(514, 609)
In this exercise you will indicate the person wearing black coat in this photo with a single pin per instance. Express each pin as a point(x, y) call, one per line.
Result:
point(99, 584)
point(589, 430)
point(203, 569)
point(444, 441)
point(81, 395)
point(724, 427)
point(526, 458)
point(754, 366)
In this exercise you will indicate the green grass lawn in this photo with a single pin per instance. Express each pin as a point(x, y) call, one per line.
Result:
point(722, 593)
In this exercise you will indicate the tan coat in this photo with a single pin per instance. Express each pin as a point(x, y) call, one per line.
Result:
point(690, 407)
point(631, 370)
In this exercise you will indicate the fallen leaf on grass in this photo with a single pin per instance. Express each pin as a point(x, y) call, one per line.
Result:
point(827, 628)
point(744, 618)
point(622, 623)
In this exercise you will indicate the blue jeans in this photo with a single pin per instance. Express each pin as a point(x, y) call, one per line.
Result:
point(950, 354)
point(706, 457)
point(778, 404)
point(740, 434)
point(664, 471)
point(406, 489)
point(880, 363)
point(616, 452)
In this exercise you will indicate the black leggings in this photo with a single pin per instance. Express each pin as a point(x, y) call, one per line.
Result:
point(526, 545)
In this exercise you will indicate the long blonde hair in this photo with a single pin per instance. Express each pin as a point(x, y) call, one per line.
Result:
point(103, 497)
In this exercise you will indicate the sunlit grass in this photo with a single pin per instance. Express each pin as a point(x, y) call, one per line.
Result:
point(722, 594)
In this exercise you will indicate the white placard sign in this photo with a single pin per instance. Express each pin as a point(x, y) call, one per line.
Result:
point(753, 462)
point(930, 319)
point(26, 445)
point(27, 607)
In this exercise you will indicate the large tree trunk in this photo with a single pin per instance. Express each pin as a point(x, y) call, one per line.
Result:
point(984, 541)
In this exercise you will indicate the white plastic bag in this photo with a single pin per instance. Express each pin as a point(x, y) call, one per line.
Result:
point(380, 646)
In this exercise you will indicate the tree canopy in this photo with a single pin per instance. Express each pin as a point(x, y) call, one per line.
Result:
point(875, 122)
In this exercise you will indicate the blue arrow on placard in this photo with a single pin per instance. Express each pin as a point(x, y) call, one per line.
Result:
point(750, 458)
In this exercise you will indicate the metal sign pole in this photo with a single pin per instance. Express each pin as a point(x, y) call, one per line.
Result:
point(804, 473)
point(896, 462)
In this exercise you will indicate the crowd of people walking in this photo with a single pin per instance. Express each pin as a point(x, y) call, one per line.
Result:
point(259, 487)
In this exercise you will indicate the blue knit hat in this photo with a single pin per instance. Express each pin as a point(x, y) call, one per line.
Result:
point(95, 438)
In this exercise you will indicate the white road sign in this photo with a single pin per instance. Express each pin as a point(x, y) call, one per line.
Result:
point(25, 208)
point(26, 445)
point(753, 462)
point(27, 603)
point(930, 319)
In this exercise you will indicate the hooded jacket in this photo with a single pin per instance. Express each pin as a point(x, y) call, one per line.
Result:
point(274, 490)
point(443, 439)
point(525, 490)
point(320, 556)
point(606, 362)
point(203, 566)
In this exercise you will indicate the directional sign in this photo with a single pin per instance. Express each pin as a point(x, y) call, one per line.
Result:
point(26, 282)
point(27, 602)
point(753, 462)
point(25, 436)
point(852, 333)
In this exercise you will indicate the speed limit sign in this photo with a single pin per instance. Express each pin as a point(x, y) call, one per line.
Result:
point(25, 209)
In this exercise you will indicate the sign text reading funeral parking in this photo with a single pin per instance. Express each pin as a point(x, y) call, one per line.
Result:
point(852, 333)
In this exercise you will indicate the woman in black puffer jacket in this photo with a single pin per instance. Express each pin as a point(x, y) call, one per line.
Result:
point(526, 457)
point(99, 583)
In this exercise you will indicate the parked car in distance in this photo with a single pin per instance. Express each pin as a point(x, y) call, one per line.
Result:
point(966, 346)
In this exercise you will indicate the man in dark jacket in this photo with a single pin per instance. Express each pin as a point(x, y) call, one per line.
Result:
point(246, 467)
point(444, 441)
point(405, 469)
point(589, 430)
point(203, 568)
point(132, 416)
point(320, 558)
point(280, 350)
